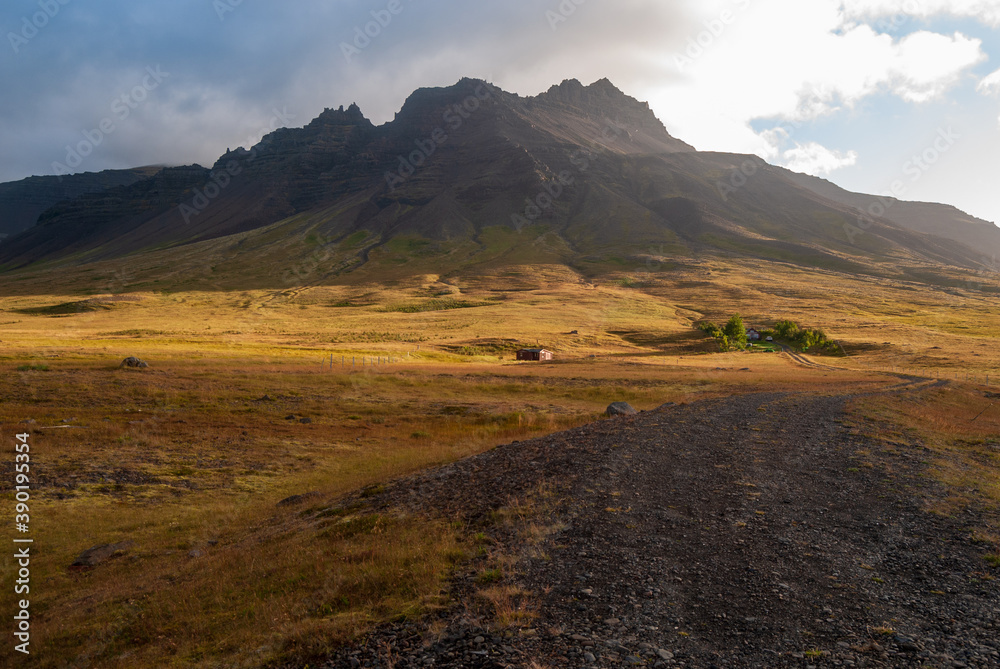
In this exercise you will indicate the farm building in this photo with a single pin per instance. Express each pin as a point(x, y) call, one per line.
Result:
point(753, 335)
point(534, 354)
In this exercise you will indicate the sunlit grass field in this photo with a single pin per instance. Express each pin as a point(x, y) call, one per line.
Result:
point(253, 396)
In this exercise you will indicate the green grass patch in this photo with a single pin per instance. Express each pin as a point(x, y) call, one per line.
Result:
point(433, 305)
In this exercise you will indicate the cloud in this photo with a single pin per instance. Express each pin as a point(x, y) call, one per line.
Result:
point(990, 84)
point(762, 63)
point(986, 11)
point(799, 61)
point(229, 72)
point(817, 160)
point(925, 64)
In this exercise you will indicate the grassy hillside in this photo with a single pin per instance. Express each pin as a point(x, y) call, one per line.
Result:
point(240, 408)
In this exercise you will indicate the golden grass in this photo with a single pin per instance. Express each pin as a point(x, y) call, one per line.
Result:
point(510, 606)
point(193, 453)
point(950, 433)
point(276, 590)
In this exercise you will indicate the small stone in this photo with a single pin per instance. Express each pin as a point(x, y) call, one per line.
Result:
point(665, 654)
point(589, 657)
point(195, 553)
point(298, 499)
point(612, 622)
point(478, 640)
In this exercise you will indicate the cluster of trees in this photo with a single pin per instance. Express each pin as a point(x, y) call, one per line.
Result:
point(804, 338)
point(733, 335)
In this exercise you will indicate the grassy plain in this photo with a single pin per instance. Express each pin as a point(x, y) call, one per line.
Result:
point(241, 408)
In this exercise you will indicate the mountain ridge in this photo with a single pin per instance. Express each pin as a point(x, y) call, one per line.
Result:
point(23, 201)
point(589, 169)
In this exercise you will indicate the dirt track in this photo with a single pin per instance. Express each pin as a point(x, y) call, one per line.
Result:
point(731, 533)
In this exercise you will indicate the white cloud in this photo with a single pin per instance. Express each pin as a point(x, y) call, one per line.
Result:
point(817, 160)
point(987, 11)
point(990, 84)
point(927, 64)
point(799, 61)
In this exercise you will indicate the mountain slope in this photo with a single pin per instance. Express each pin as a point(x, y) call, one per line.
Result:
point(926, 217)
point(583, 176)
point(22, 201)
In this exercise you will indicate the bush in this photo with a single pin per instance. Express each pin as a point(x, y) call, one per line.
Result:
point(804, 338)
point(786, 329)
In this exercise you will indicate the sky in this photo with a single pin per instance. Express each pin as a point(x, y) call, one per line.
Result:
point(866, 93)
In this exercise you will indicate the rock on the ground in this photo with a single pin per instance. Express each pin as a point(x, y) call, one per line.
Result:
point(132, 361)
point(97, 554)
point(620, 409)
point(297, 499)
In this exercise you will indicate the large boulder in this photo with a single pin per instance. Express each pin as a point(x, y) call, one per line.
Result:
point(132, 361)
point(621, 409)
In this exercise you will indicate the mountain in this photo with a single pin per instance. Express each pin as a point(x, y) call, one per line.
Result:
point(926, 217)
point(22, 201)
point(470, 176)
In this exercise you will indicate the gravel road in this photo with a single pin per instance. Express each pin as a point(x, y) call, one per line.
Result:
point(734, 532)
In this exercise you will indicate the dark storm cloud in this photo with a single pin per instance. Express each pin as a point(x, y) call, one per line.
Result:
point(230, 70)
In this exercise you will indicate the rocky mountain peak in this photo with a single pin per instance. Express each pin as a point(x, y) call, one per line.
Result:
point(340, 116)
